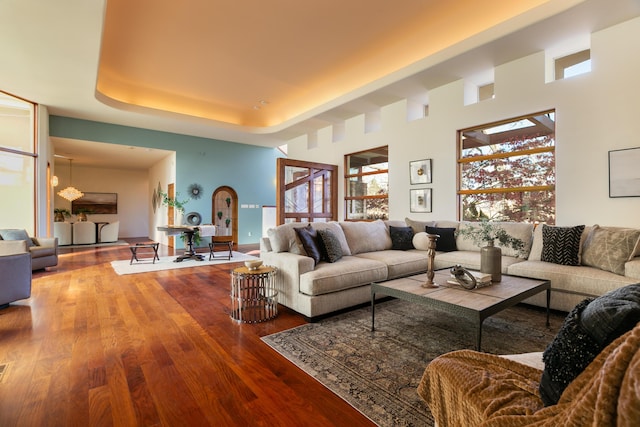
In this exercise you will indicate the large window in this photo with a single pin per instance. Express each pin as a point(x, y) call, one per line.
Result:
point(507, 170)
point(367, 184)
point(17, 162)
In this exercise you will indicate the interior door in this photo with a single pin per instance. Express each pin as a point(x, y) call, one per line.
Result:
point(306, 191)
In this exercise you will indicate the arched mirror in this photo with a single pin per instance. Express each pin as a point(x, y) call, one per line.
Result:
point(225, 214)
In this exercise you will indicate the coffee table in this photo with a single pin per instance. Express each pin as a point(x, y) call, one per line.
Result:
point(474, 305)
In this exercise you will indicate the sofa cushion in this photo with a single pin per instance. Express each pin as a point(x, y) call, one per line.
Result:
point(399, 263)
point(331, 244)
point(586, 331)
point(366, 236)
point(561, 245)
point(447, 240)
point(401, 238)
point(309, 238)
point(520, 232)
point(419, 226)
point(609, 248)
point(349, 272)
point(336, 230)
point(16, 234)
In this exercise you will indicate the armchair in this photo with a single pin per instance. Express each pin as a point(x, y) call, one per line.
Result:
point(15, 272)
point(109, 232)
point(43, 250)
point(84, 233)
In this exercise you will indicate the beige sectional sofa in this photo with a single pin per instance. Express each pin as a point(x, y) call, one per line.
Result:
point(315, 290)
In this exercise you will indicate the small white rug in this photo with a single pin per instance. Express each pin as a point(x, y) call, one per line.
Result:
point(166, 263)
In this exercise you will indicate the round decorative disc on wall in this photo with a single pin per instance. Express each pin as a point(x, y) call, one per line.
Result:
point(193, 218)
point(195, 191)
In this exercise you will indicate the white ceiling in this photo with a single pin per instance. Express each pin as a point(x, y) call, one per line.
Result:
point(54, 53)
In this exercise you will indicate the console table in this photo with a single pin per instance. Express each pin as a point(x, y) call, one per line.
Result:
point(188, 232)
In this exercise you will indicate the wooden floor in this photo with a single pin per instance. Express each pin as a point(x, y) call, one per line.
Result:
point(154, 349)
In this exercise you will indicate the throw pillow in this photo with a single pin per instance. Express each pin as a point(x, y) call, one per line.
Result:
point(418, 226)
point(587, 330)
point(401, 238)
point(561, 245)
point(16, 234)
point(332, 246)
point(308, 236)
point(609, 248)
point(447, 240)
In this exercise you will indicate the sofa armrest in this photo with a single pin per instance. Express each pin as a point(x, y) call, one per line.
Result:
point(11, 247)
point(632, 268)
point(290, 267)
point(46, 242)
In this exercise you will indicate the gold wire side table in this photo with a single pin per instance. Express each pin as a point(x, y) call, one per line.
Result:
point(254, 297)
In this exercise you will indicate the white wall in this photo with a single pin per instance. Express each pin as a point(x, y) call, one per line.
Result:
point(163, 173)
point(595, 113)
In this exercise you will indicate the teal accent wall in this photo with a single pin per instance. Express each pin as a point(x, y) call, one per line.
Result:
point(250, 170)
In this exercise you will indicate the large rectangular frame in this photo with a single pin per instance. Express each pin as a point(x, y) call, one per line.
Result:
point(624, 174)
point(420, 200)
point(96, 203)
point(420, 171)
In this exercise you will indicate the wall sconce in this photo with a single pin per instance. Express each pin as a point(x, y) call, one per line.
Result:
point(54, 181)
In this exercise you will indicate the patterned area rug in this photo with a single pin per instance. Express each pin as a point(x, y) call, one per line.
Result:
point(378, 372)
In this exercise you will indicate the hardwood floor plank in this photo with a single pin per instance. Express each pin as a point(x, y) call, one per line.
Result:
point(152, 349)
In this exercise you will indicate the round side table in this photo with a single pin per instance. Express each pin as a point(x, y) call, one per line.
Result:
point(254, 297)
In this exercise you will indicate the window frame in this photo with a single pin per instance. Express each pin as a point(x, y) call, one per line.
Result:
point(347, 177)
point(460, 162)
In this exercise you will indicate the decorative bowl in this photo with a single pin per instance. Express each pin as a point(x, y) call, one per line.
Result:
point(253, 264)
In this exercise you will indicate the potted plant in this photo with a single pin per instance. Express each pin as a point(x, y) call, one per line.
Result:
point(82, 214)
point(196, 239)
point(173, 201)
point(228, 200)
point(227, 221)
point(60, 214)
point(219, 215)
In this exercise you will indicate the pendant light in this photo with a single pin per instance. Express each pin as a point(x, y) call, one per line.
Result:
point(70, 193)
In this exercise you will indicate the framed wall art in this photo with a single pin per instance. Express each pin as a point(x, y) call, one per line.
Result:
point(420, 200)
point(420, 171)
point(96, 203)
point(624, 174)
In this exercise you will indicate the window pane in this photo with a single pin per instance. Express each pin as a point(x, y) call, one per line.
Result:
point(367, 209)
point(510, 172)
point(17, 185)
point(318, 192)
point(534, 206)
point(16, 124)
point(369, 185)
point(294, 173)
point(296, 199)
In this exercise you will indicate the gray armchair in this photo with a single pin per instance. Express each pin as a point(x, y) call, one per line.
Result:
point(43, 250)
point(15, 272)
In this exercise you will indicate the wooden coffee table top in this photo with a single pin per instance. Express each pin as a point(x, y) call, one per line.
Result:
point(475, 305)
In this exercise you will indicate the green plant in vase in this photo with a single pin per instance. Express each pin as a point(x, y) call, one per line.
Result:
point(173, 201)
point(219, 215)
point(196, 239)
point(227, 222)
point(228, 200)
point(82, 214)
point(60, 214)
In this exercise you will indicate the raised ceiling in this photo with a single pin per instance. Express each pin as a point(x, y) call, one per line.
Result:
point(203, 67)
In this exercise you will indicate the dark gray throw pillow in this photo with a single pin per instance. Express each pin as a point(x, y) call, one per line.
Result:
point(308, 236)
point(561, 245)
point(332, 250)
point(591, 326)
point(401, 238)
point(447, 240)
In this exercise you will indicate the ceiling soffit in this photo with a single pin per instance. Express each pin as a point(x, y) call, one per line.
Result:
point(257, 67)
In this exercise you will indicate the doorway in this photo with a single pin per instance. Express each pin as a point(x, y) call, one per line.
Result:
point(224, 210)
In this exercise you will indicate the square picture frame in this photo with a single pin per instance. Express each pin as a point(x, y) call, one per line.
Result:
point(420, 200)
point(420, 171)
point(624, 175)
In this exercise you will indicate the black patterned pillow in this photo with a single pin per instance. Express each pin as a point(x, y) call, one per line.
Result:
point(561, 245)
point(401, 238)
point(308, 236)
point(332, 249)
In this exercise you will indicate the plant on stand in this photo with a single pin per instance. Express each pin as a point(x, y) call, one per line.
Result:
point(60, 214)
point(487, 233)
point(82, 214)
